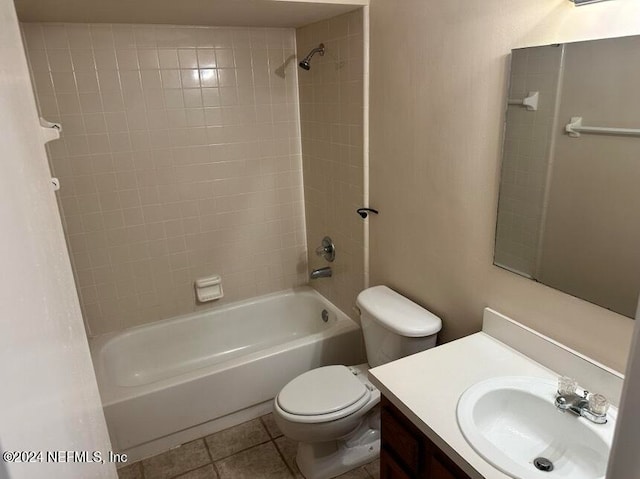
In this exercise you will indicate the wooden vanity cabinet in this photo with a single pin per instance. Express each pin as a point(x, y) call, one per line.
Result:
point(406, 453)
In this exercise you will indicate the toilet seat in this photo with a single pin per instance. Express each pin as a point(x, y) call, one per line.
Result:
point(323, 394)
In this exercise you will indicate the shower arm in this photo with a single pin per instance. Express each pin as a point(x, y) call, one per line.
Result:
point(305, 61)
point(319, 49)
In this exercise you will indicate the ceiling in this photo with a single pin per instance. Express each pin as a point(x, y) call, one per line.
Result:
point(265, 13)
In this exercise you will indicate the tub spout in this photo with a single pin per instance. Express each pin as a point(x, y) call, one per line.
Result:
point(321, 273)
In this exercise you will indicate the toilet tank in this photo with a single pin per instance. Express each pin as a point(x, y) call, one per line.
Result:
point(394, 326)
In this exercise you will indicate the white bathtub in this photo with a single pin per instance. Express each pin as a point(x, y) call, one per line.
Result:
point(168, 382)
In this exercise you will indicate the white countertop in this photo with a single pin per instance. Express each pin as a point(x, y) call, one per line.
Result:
point(427, 385)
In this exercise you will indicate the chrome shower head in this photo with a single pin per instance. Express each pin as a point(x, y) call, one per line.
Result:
point(305, 64)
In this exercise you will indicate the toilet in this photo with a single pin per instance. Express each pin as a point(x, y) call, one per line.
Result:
point(332, 411)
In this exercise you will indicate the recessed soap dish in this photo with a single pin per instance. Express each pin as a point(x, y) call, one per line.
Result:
point(209, 288)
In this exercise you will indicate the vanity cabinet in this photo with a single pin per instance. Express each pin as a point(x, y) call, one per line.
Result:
point(406, 453)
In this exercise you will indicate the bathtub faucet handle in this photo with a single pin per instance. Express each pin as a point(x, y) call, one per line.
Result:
point(327, 249)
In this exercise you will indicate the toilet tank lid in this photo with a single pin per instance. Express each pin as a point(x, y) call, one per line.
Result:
point(397, 313)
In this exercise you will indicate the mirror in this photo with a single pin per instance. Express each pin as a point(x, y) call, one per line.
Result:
point(569, 206)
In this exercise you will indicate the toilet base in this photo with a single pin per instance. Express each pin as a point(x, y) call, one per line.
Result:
point(324, 460)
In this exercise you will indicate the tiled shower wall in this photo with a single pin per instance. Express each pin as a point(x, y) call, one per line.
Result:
point(180, 158)
point(527, 152)
point(331, 116)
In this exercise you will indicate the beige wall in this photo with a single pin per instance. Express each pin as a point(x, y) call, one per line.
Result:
point(331, 117)
point(180, 158)
point(590, 245)
point(438, 80)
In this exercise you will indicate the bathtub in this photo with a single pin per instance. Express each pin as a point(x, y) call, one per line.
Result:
point(169, 382)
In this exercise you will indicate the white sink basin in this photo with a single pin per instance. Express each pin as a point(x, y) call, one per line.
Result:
point(511, 421)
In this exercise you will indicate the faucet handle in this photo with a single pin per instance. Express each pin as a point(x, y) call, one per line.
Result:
point(598, 404)
point(327, 250)
point(567, 385)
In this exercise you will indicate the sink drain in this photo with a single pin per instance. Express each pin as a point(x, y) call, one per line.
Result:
point(543, 464)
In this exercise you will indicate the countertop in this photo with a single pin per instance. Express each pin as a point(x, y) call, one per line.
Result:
point(426, 387)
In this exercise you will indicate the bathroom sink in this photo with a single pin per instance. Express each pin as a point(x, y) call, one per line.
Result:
point(513, 423)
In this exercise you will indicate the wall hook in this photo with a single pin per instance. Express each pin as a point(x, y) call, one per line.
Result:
point(364, 212)
point(50, 131)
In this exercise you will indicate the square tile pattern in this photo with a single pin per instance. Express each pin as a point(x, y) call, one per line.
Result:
point(526, 158)
point(180, 157)
point(331, 120)
point(253, 450)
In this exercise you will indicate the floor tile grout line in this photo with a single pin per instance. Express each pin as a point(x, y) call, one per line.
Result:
point(189, 471)
point(216, 470)
point(291, 472)
point(213, 464)
point(131, 465)
point(238, 451)
point(264, 424)
point(177, 476)
point(286, 463)
point(206, 446)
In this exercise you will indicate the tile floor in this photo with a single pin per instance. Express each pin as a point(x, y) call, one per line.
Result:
point(253, 450)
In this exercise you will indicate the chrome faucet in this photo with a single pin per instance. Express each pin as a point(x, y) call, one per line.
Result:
point(589, 406)
point(327, 249)
point(321, 273)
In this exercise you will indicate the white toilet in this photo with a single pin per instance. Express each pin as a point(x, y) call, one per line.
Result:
point(332, 411)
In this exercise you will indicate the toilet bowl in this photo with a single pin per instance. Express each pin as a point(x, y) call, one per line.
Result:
point(333, 411)
point(332, 398)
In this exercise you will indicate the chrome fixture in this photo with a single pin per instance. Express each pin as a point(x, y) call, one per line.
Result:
point(327, 250)
point(586, 2)
point(321, 273)
point(543, 464)
point(589, 406)
point(304, 64)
